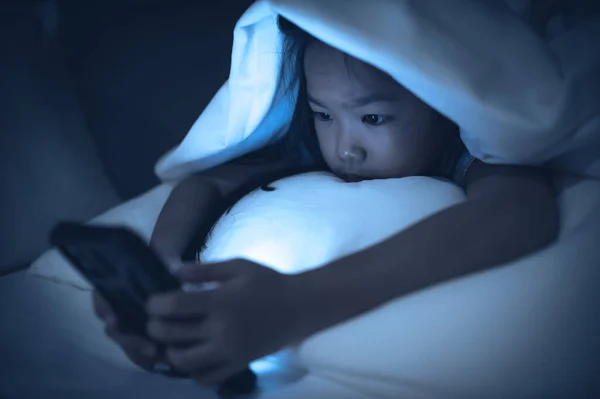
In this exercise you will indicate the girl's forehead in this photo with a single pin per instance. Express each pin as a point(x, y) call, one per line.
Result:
point(325, 65)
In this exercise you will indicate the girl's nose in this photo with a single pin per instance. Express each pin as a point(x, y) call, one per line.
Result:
point(353, 154)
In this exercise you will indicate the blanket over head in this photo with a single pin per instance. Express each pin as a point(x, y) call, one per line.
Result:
point(518, 98)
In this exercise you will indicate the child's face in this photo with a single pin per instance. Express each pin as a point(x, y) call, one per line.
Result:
point(368, 126)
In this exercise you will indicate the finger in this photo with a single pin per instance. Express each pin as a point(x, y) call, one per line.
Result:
point(209, 272)
point(177, 332)
point(144, 362)
point(199, 358)
point(226, 376)
point(180, 305)
point(144, 357)
point(101, 307)
point(241, 383)
point(135, 344)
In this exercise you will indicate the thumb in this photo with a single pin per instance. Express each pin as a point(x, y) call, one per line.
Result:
point(207, 272)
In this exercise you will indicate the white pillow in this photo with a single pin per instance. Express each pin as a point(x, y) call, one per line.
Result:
point(313, 218)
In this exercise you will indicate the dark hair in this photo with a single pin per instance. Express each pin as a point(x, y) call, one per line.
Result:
point(301, 136)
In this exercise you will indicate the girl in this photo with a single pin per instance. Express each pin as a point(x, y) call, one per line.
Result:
point(357, 122)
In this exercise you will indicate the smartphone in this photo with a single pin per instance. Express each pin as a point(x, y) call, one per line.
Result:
point(127, 272)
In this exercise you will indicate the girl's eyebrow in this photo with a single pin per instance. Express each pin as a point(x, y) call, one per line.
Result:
point(360, 101)
point(371, 99)
point(314, 101)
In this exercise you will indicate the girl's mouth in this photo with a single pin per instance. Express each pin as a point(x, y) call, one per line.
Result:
point(352, 178)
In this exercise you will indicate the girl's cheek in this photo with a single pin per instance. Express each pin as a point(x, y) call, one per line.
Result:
point(328, 147)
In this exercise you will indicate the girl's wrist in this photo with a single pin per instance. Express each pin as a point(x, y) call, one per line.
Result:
point(309, 298)
point(341, 290)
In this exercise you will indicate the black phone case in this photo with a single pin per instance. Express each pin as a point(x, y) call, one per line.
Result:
point(126, 272)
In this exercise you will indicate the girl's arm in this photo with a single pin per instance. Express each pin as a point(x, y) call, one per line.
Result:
point(190, 202)
point(510, 212)
point(200, 199)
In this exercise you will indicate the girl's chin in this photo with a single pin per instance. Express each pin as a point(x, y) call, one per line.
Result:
point(352, 178)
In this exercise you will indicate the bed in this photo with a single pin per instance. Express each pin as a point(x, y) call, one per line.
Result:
point(524, 330)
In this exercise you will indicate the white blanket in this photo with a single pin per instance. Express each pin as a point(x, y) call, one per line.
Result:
point(516, 98)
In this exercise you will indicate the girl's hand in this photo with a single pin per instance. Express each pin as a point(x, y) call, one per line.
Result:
point(215, 333)
point(138, 349)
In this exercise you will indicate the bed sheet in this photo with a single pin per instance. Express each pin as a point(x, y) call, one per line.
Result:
point(51, 346)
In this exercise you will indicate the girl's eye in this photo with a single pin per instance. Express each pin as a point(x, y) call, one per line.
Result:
point(374, 119)
point(325, 117)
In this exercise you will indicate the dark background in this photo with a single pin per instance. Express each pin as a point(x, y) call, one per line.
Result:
point(144, 71)
point(92, 93)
